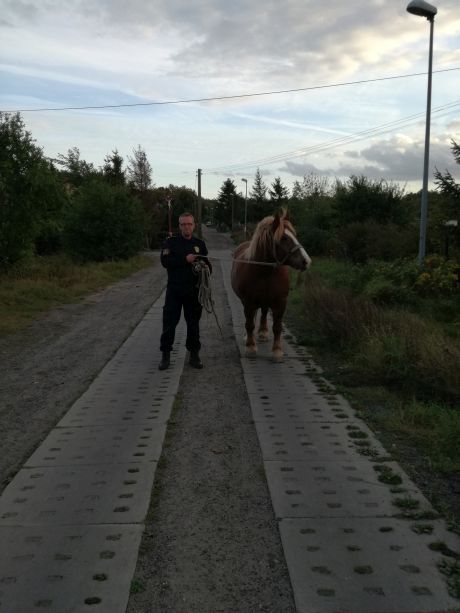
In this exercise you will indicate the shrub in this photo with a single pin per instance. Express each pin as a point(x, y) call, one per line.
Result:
point(30, 192)
point(364, 241)
point(104, 222)
point(439, 277)
point(387, 346)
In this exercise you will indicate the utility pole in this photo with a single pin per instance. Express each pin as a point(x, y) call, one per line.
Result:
point(198, 220)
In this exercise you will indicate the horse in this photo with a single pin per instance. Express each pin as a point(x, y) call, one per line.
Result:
point(260, 276)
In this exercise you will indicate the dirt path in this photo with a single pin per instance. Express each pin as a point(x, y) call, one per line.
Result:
point(211, 542)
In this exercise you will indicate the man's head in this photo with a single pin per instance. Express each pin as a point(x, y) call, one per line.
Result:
point(186, 225)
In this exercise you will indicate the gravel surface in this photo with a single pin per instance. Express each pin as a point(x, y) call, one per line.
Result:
point(211, 542)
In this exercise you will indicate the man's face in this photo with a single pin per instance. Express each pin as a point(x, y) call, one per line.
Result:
point(186, 225)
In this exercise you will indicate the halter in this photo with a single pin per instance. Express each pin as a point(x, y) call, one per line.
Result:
point(289, 253)
point(295, 248)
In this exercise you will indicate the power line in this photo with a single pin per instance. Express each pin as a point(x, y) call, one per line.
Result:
point(337, 142)
point(231, 97)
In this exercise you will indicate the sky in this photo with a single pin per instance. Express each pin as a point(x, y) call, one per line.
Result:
point(348, 105)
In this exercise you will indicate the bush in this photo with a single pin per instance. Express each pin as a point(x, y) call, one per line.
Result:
point(364, 241)
point(439, 277)
point(382, 345)
point(104, 222)
point(315, 240)
point(30, 191)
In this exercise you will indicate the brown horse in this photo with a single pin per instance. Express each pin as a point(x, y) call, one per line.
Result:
point(260, 276)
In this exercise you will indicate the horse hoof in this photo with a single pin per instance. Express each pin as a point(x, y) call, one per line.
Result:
point(278, 355)
point(262, 338)
point(251, 352)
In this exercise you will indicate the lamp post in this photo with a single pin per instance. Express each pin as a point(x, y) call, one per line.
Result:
point(245, 207)
point(423, 9)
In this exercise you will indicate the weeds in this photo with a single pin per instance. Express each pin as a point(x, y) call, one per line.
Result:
point(46, 282)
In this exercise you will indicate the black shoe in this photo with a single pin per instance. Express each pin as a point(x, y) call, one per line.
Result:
point(195, 360)
point(165, 360)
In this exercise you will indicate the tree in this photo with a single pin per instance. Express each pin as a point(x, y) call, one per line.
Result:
point(105, 222)
point(30, 192)
point(312, 186)
point(312, 212)
point(139, 171)
point(76, 171)
point(113, 168)
point(260, 206)
point(361, 200)
point(450, 190)
point(446, 183)
point(226, 209)
point(279, 193)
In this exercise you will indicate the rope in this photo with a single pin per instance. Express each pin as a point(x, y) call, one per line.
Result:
point(205, 298)
point(272, 264)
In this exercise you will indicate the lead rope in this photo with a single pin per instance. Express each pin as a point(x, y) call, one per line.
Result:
point(205, 298)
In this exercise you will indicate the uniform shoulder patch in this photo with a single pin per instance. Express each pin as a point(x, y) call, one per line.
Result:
point(196, 248)
point(165, 252)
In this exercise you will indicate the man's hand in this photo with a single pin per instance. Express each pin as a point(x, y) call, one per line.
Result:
point(191, 257)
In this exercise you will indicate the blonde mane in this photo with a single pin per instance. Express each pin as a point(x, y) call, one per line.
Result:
point(264, 239)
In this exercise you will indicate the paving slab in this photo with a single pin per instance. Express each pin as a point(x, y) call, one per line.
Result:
point(67, 569)
point(293, 406)
point(103, 494)
point(346, 546)
point(336, 489)
point(72, 519)
point(313, 441)
point(99, 445)
point(370, 565)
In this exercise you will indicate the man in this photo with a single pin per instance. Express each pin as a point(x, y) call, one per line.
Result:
point(177, 256)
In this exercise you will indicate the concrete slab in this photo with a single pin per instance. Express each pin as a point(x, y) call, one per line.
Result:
point(67, 569)
point(99, 445)
point(103, 494)
point(336, 489)
point(311, 441)
point(67, 536)
point(345, 549)
point(119, 409)
point(365, 566)
point(290, 407)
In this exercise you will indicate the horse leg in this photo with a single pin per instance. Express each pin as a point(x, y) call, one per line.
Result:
point(263, 327)
point(278, 312)
point(250, 314)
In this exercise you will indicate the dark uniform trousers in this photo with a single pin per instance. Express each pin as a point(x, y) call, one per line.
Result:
point(175, 300)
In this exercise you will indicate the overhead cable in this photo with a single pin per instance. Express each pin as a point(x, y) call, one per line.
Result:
point(230, 97)
point(337, 142)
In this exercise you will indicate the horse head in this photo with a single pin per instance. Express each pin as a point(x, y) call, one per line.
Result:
point(286, 248)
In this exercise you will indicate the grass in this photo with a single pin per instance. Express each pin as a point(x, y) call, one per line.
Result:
point(398, 368)
point(28, 290)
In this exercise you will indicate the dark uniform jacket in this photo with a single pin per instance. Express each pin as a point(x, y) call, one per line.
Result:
point(173, 253)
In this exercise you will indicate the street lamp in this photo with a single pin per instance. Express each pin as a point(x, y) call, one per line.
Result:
point(245, 207)
point(423, 9)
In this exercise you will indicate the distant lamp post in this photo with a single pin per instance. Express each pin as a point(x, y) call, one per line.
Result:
point(245, 207)
point(423, 9)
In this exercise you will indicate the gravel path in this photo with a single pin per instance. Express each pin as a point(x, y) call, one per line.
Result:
point(211, 542)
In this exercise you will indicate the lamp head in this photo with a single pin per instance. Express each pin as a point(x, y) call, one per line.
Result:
point(422, 9)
